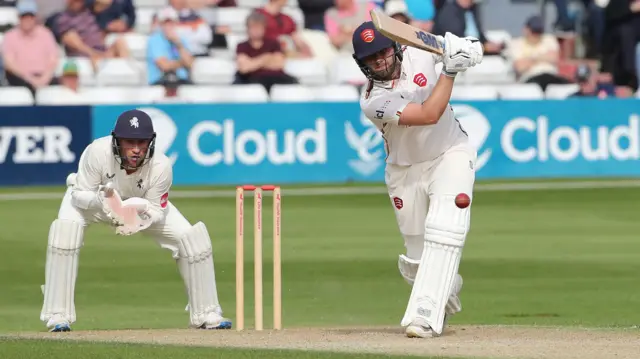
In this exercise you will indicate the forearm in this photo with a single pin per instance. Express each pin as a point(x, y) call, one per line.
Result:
point(438, 100)
point(251, 64)
point(185, 57)
point(73, 40)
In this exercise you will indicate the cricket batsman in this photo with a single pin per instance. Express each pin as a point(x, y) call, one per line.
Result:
point(429, 162)
point(126, 163)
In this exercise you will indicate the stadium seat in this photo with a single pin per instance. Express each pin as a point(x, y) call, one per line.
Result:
point(520, 92)
point(308, 71)
point(15, 96)
point(345, 70)
point(492, 69)
point(144, 20)
point(498, 36)
point(296, 14)
point(337, 93)
point(233, 39)
point(233, 17)
point(113, 72)
point(113, 95)
point(251, 4)
point(85, 70)
point(292, 93)
point(209, 70)
point(224, 94)
point(149, 3)
point(8, 16)
point(474, 92)
point(136, 42)
point(560, 92)
point(60, 96)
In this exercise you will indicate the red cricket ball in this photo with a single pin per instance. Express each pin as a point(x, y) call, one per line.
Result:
point(463, 200)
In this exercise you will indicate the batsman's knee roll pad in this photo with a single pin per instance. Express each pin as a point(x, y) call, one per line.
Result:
point(61, 269)
point(196, 266)
point(446, 224)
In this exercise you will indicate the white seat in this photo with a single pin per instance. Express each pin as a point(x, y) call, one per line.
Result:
point(144, 20)
point(560, 92)
point(224, 94)
point(15, 96)
point(112, 95)
point(474, 92)
point(114, 72)
point(251, 4)
point(8, 15)
point(308, 71)
point(520, 92)
point(292, 93)
point(296, 14)
point(337, 93)
point(60, 96)
point(86, 76)
point(136, 42)
point(493, 69)
point(209, 70)
point(345, 70)
point(498, 36)
point(233, 17)
point(149, 3)
point(233, 39)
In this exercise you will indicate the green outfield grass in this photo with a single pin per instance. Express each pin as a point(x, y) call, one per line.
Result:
point(566, 258)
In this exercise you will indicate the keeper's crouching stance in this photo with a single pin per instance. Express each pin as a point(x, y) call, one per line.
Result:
point(429, 162)
point(125, 163)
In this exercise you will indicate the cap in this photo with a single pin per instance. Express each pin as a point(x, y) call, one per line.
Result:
point(167, 14)
point(26, 7)
point(170, 79)
point(395, 7)
point(134, 124)
point(583, 73)
point(367, 40)
point(70, 68)
point(535, 24)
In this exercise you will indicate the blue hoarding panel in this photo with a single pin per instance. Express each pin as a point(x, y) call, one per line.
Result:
point(42, 145)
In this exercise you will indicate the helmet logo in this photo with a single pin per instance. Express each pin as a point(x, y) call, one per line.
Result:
point(367, 35)
point(134, 122)
point(420, 80)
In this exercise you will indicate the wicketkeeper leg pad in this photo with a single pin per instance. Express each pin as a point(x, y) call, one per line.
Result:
point(446, 229)
point(195, 262)
point(61, 269)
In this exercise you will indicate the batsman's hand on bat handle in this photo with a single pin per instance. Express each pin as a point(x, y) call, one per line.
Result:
point(460, 54)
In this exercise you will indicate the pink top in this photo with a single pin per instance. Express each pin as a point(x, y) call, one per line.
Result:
point(331, 25)
point(33, 52)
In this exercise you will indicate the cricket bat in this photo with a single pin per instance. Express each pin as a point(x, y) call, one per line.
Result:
point(405, 34)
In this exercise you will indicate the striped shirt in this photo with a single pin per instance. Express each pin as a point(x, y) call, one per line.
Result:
point(85, 24)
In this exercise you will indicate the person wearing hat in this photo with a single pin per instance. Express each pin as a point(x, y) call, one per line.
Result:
point(591, 84)
point(167, 50)
point(429, 163)
point(29, 51)
point(535, 55)
point(70, 77)
point(125, 165)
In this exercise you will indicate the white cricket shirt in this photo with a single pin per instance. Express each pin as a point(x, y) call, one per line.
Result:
point(383, 102)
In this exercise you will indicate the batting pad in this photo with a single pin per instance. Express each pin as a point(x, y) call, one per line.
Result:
point(446, 228)
point(61, 269)
point(196, 266)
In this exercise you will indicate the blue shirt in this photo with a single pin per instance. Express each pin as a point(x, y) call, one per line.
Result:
point(158, 46)
point(421, 10)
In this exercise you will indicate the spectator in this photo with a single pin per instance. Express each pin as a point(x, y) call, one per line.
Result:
point(260, 60)
point(622, 33)
point(82, 37)
point(422, 12)
point(591, 85)
point(70, 78)
point(535, 56)
point(460, 17)
point(167, 51)
point(29, 51)
point(8, 3)
point(398, 10)
point(281, 27)
point(340, 22)
point(192, 28)
point(313, 11)
point(48, 8)
point(114, 16)
point(171, 82)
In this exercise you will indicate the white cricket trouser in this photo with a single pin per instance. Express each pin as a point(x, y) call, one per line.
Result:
point(410, 188)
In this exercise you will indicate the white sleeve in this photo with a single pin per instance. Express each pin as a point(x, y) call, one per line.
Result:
point(158, 193)
point(84, 194)
point(386, 108)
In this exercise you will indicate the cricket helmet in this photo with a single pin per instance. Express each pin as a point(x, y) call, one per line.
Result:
point(133, 125)
point(367, 41)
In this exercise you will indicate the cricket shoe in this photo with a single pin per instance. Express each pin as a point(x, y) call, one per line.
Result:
point(58, 324)
point(216, 321)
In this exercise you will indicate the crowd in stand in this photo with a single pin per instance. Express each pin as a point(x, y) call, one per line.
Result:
point(42, 49)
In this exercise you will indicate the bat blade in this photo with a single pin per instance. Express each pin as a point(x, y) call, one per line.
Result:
point(405, 34)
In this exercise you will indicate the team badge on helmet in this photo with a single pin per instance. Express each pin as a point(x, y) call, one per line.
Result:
point(367, 35)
